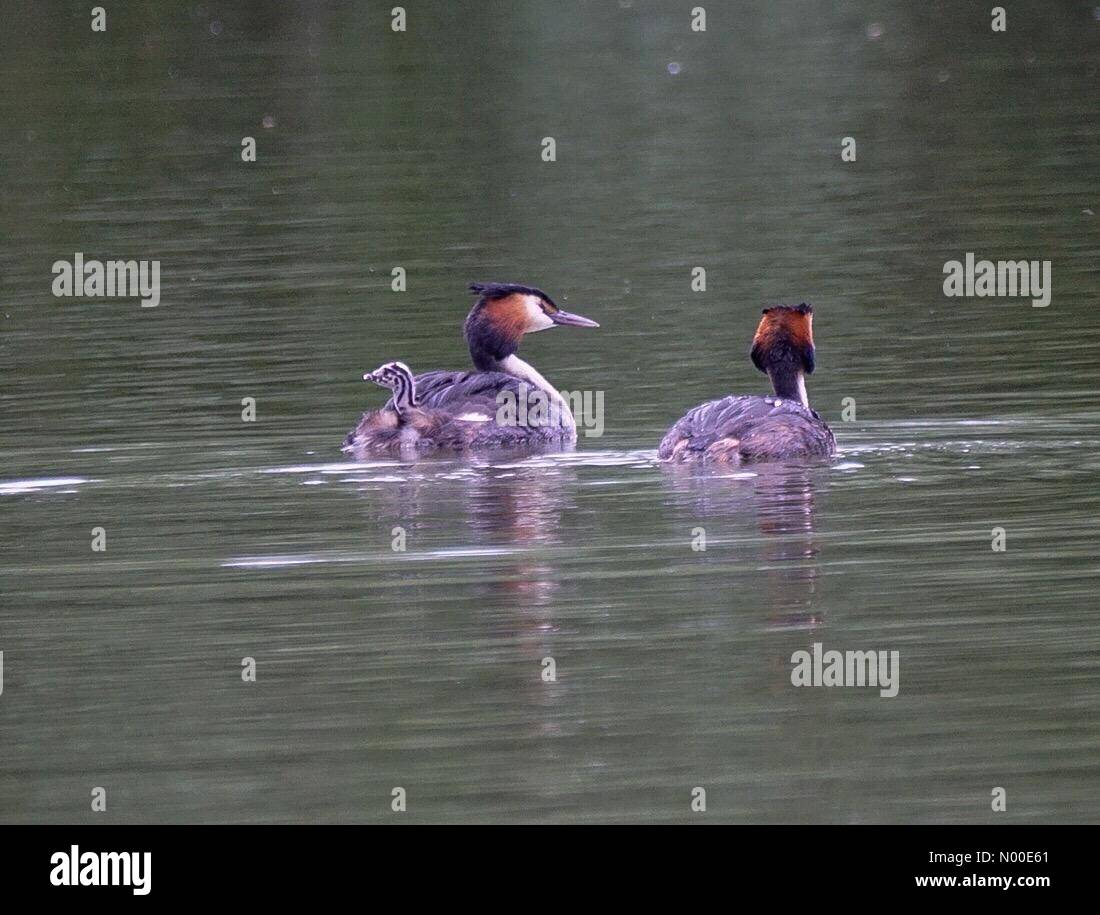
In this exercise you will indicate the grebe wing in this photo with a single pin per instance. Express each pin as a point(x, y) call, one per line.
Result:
point(794, 432)
point(757, 428)
point(374, 427)
point(462, 393)
point(713, 421)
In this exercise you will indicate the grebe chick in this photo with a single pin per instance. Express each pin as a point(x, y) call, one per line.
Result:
point(403, 427)
point(743, 428)
point(494, 329)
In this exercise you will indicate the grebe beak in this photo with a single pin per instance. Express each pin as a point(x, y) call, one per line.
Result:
point(566, 317)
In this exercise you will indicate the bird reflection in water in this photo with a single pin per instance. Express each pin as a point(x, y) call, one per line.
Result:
point(511, 557)
point(521, 507)
point(781, 497)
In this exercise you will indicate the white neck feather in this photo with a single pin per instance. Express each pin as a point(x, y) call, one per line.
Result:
point(513, 365)
point(790, 386)
point(802, 391)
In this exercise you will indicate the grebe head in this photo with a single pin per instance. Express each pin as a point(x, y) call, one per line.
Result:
point(783, 347)
point(503, 313)
point(398, 377)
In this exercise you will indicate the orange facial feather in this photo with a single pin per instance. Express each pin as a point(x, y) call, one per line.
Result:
point(784, 325)
point(508, 315)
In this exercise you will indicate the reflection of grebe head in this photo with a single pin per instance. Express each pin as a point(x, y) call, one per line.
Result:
point(503, 313)
point(784, 339)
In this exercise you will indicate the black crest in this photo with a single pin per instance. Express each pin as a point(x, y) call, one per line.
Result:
point(490, 291)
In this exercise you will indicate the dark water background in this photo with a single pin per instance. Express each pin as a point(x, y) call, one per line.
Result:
point(422, 669)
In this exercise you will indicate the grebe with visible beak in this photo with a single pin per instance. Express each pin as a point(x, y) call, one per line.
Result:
point(494, 329)
point(744, 428)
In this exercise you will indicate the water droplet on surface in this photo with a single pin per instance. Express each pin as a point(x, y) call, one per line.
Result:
point(674, 68)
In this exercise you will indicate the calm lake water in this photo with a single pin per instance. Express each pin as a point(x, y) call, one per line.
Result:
point(423, 669)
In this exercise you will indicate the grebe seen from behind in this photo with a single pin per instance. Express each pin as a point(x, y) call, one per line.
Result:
point(744, 428)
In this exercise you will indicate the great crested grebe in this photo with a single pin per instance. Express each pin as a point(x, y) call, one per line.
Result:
point(494, 329)
point(744, 428)
point(403, 426)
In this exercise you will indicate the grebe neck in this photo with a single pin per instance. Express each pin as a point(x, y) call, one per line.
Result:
point(517, 368)
point(404, 394)
point(789, 383)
